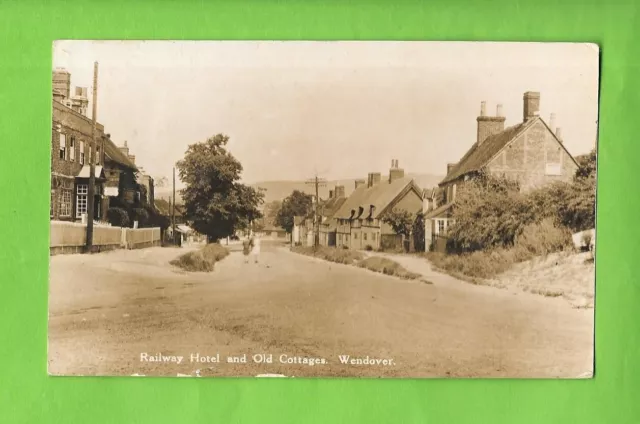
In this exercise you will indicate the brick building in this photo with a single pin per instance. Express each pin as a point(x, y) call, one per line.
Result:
point(359, 220)
point(530, 152)
point(71, 137)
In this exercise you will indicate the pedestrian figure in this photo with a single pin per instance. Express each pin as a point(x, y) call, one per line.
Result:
point(255, 247)
point(246, 249)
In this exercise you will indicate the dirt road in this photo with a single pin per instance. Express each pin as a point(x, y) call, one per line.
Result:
point(113, 313)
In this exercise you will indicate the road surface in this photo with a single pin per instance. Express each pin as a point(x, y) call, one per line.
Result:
point(115, 313)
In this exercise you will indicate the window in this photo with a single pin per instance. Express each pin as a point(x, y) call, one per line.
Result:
point(51, 205)
point(355, 236)
point(72, 148)
point(373, 236)
point(65, 202)
point(81, 152)
point(441, 226)
point(81, 199)
point(364, 236)
point(97, 155)
point(63, 147)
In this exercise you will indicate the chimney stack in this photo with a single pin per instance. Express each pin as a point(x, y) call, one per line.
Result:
point(373, 179)
point(531, 105)
point(499, 110)
point(359, 182)
point(395, 172)
point(489, 125)
point(450, 167)
point(124, 149)
point(559, 133)
point(339, 191)
point(330, 194)
point(552, 122)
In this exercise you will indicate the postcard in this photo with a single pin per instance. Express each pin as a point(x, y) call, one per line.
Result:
point(323, 209)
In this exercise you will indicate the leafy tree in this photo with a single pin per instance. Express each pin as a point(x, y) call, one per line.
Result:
point(215, 202)
point(401, 221)
point(296, 204)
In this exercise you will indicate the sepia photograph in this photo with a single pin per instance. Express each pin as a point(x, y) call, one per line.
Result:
point(323, 209)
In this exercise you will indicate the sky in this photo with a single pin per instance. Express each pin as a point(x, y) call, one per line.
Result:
point(338, 109)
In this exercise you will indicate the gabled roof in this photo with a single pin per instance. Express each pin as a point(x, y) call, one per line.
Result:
point(112, 151)
point(480, 154)
point(438, 212)
point(331, 206)
point(380, 196)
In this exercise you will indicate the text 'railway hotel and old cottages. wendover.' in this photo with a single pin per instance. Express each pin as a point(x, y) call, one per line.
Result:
point(530, 152)
point(71, 135)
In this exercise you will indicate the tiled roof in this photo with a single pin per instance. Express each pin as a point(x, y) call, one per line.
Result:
point(331, 206)
point(480, 154)
point(379, 196)
point(438, 211)
point(116, 155)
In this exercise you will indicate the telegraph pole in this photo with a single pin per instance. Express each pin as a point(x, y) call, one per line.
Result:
point(173, 208)
point(317, 182)
point(92, 161)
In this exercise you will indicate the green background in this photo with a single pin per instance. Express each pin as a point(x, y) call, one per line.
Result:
point(27, 394)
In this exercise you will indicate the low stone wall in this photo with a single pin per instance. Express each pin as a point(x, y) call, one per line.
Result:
point(70, 237)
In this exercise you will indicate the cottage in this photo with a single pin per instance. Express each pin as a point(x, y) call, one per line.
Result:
point(359, 223)
point(530, 152)
point(328, 225)
point(121, 186)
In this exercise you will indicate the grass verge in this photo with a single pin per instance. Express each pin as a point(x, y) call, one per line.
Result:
point(351, 257)
point(202, 260)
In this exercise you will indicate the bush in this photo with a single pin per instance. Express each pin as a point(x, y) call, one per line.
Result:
point(118, 217)
point(342, 256)
point(544, 238)
point(388, 267)
point(202, 260)
point(142, 216)
point(368, 248)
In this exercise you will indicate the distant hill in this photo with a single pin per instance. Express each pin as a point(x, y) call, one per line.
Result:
point(278, 190)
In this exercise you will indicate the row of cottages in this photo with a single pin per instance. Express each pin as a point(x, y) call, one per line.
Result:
point(358, 220)
point(71, 136)
point(530, 152)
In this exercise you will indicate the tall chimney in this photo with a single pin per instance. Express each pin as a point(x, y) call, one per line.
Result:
point(339, 191)
point(559, 133)
point(489, 125)
point(395, 172)
point(531, 105)
point(552, 122)
point(359, 182)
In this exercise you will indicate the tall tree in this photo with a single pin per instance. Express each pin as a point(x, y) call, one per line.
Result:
point(296, 204)
point(215, 201)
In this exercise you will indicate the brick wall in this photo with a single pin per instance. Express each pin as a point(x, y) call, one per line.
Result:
point(535, 158)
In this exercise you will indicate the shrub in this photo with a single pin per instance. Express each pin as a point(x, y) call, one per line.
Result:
point(388, 267)
point(142, 216)
point(202, 260)
point(368, 248)
point(544, 238)
point(118, 217)
point(342, 256)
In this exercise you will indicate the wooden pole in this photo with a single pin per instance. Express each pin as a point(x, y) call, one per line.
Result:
point(173, 208)
point(92, 162)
